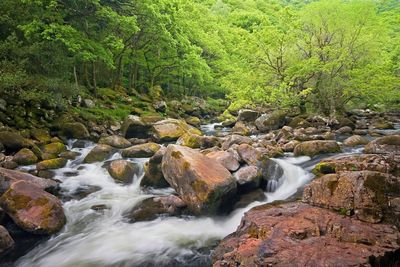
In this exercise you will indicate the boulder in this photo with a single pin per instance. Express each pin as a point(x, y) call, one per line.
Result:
point(98, 153)
point(226, 159)
point(362, 193)
point(115, 141)
point(25, 157)
point(171, 129)
point(289, 146)
point(355, 140)
point(134, 127)
point(8, 177)
point(75, 130)
point(51, 164)
point(41, 135)
point(365, 162)
point(269, 122)
point(344, 130)
point(384, 145)
point(247, 115)
point(151, 208)
point(248, 178)
point(190, 140)
point(297, 234)
point(141, 151)
point(229, 122)
point(123, 171)
point(153, 176)
point(88, 103)
point(69, 155)
point(248, 154)
point(194, 121)
point(14, 142)
point(313, 148)
point(6, 241)
point(299, 122)
point(241, 129)
point(235, 139)
point(54, 148)
point(33, 209)
point(202, 183)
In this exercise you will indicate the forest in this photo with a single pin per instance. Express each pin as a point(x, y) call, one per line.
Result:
point(312, 56)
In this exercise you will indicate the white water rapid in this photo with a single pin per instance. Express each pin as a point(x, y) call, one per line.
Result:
point(92, 238)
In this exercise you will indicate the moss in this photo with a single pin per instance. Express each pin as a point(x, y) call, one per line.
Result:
point(186, 165)
point(51, 164)
point(54, 148)
point(176, 154)
point(332, 185)
point(323, 168)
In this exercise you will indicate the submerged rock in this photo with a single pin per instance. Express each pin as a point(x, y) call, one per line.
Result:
point(33, 209)
point(313, 148)
point(151, 208)
point(297, 234)
point(202, 183)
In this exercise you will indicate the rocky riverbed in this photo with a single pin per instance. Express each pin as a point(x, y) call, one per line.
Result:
point(258, 190)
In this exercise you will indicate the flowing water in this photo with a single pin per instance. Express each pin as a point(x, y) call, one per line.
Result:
point(93, 238)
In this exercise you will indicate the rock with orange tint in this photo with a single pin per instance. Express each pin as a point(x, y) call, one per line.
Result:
point(203, 183)
point(297, 234)
point(33, 209)
point(226, 159)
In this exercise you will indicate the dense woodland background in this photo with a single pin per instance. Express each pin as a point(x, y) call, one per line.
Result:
point(314, 56)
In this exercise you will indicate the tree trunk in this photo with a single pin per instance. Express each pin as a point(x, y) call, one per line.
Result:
point(94, 79)
point(76, 78)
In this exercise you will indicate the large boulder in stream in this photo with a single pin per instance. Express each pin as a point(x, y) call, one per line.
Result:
point(247, 115)
point(225, 158)
point(14, 142)
point(297, 234)
point(364, 194)
point(355, 140)
point(313, 148)
point(25, 157)
point(141, 151)
point(384, 145)
point(153, 176)
point(33, 209)
point(151, 208)
point(203, 184)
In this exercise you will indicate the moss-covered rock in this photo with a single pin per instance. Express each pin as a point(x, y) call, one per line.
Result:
point(51, 164)
point(98, 153)
point(74, 130)
point(194, 121)
point(25, 157)
point(190, 140)
point(313, 148)
point(33, 209)
point(41, 135)
point(273, 121)
point(69, 155)
point(14, 142)
point(171, 130)
point(323, 168)
point(384, 145)
point(382, 124)
point(134, 127)
point(54, 148)
point(241, 129)
point(141, 151)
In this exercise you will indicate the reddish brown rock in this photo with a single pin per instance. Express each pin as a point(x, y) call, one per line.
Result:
point(115, 141)
point(98, 153)
point(7, 177)
point(123, 171)
point(202, 183)
point(297, 234)
point(248, 154)
point(33, 209)
point(153, 176)
point(364, 162)
point(235, 139)
point(364, 194)
point(355, 140)
point(384, 145)
point(226, 159)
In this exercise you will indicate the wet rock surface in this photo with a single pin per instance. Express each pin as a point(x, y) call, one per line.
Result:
point(297, 234)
